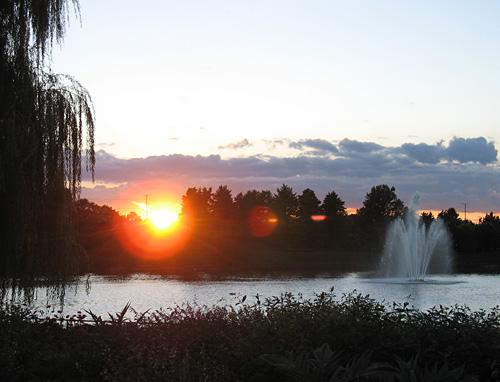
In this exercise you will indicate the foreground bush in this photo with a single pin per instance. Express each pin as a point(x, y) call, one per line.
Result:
point(244, 342)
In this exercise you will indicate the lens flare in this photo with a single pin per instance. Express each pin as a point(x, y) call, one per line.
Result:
point(159, 234)
point(143, 239)
point(318, 218)
point(263, 221)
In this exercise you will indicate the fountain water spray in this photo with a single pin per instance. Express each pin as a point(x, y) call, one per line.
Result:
point(413, 250)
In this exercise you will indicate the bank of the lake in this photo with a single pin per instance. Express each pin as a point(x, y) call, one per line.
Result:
point(267, 340)
point(265, 260)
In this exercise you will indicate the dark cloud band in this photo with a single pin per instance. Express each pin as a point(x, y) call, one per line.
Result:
point(464, 171)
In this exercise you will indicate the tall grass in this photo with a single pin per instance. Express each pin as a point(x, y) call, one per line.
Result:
point(240, 342)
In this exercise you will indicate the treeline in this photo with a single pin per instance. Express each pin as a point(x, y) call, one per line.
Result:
point(226, 229)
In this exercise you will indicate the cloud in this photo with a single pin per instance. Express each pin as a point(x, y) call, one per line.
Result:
point(461, 150)
point(424, 153)
point(477, 150)
point(273, 143)
point(444, 178)
point(348, 146)
point(319, 146)
point(236, 145)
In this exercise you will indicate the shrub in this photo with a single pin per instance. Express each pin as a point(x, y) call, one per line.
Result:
point(353, 336)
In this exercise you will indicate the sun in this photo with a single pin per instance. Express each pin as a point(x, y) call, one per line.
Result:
point(163, 219)
point(162, 215)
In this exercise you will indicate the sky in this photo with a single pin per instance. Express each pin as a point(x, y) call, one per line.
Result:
point(328, 95)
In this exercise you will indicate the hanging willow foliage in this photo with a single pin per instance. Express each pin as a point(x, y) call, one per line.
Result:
point(46, 126)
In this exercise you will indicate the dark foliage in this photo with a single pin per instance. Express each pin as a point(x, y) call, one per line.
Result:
point(351, 337)
point(46, 124)
point(380, 207)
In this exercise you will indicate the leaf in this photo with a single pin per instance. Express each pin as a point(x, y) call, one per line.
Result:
point(278, 360)
point(97, 319)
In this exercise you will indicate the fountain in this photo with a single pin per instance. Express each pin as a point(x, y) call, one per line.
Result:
point(413, 250)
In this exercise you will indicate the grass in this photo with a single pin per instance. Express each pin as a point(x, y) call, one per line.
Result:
point(286, 337)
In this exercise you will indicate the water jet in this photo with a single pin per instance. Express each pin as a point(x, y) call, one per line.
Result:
point(413, 250)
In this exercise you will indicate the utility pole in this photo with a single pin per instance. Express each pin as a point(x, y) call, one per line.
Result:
point(465, 208)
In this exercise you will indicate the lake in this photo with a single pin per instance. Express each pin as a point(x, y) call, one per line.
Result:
point(111, 293)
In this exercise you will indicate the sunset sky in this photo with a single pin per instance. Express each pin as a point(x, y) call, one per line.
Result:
point(328, 95)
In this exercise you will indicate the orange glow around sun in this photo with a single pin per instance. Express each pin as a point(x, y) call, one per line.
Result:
point(159, 234)
point(145, 240)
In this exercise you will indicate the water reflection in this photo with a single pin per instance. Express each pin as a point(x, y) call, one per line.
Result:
point(111, 293)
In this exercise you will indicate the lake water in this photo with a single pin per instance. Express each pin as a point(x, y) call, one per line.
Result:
point(111, 293)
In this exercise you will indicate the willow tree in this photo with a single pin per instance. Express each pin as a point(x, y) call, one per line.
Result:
point(46, 127)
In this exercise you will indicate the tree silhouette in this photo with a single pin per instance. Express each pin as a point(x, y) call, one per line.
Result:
point(335, 229)
point(226, 240)
point(196, 205)
point(251, 199)
point(248, 205)
point(459, 231)
point(308, 205)
point(222, 204)
point(44, 122)
point(333, 206)
point(133, 217)
point(489, 232)
point(449, 216)
point(308, 229)
point(285, 205)
point(427, 218)
point(381, 205)
point(223, 218)
point(97, 225)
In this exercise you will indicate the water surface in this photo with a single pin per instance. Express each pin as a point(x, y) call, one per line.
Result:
point(111, 293)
